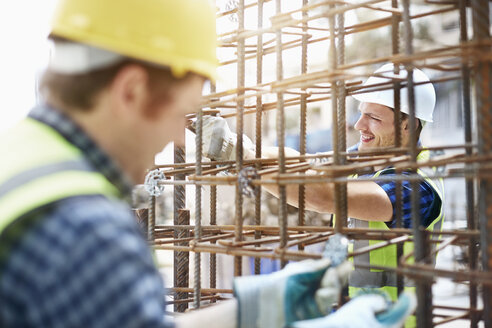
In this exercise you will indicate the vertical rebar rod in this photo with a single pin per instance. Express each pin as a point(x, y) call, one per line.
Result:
point(151, 226)
point(482, 76)
point(303, 118)
point(181, 259)
point(142, 215)
point(281, 137)
point(213, 221)
point(239, 129)
point(424, 286)
point(258, 126)
point(341, 119)
point(341, 219)
point(341, 140)
point(198, 210)
point(395, 45)
point(395, 50)
point(470, 191)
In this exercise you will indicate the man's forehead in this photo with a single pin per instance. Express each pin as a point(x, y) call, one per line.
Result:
point(366, 107)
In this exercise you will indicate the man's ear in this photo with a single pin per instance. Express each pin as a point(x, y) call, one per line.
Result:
point(129, 90)
point(406, 124)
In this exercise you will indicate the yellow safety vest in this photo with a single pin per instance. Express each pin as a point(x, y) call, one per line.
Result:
point(386, 256)
point(39, 167)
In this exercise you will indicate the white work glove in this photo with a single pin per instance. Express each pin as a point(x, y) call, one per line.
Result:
point(366, 311)
point(302, 290)
point(219, 142)
point(322, 160)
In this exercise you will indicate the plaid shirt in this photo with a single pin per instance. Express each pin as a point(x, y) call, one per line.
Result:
point(81, 261)
point(430, 202)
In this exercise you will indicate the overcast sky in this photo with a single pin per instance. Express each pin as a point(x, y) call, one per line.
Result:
point(24, 49)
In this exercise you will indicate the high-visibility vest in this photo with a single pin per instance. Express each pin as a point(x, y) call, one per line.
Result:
point(39, 167)
point(386, 256)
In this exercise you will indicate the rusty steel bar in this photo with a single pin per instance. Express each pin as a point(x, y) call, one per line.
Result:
point(258, 126)
point(341, 138)
point(303, 121)
point(282, 203)
point(142, 216)
point(470, 183)
point(366, 26)
point(395, 44)
point(198, 210)
point(204, 290)
point(213, 221)
point(151, 221)
point(424, 286)
point(352, 232)
point(212, 299)
point(240, 129)
point(181, 259)
point(482, 76)
point(332, 59)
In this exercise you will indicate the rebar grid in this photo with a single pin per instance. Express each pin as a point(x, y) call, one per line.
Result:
point(466, 60)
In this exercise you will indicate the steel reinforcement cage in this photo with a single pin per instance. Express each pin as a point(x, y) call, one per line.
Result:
point(467, 61)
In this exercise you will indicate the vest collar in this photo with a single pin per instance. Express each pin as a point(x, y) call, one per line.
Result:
point(74, 134)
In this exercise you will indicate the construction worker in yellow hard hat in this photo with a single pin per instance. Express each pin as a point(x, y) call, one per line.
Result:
point(122, 76)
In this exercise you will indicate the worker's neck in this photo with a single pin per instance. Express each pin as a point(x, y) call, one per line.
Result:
point(404, 145)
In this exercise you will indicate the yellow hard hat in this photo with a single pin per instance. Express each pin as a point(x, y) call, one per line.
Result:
point(176, 33)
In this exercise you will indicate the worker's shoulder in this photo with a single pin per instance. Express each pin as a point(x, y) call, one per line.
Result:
point(78, 220)
point(92, 213)
point(90, 208)
point(71, 231)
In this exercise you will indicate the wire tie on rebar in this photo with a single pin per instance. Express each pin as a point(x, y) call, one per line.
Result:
point(232, 5)
point(152, 180)
point(245, 178)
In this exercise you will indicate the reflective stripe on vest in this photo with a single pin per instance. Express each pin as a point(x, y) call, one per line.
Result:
point(39, 167)
point(386, 256)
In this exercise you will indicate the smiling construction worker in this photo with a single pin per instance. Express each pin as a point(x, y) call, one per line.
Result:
point(371, 204)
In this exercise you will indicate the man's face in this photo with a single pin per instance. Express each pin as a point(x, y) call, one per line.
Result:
point(169, 125)
point(376, 126)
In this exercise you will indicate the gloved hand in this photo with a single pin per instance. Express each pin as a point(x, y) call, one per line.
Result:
point(322, 160)
point(366, 311)
point(219, 142)
point(302, 290)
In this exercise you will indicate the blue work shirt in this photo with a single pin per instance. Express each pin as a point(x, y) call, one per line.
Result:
point(429, 200)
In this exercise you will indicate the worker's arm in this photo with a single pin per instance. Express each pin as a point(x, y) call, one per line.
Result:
point(366, 199)
point(222, 315)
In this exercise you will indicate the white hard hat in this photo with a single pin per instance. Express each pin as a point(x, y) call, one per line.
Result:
point(425, 95)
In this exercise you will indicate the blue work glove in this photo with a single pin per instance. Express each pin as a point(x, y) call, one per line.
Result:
point(366, 311)
point(219, 142)
point(302, 290)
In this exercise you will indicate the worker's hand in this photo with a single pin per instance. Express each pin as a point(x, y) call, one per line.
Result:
point(366, 311)
point(302, 290)
point(219, 142)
